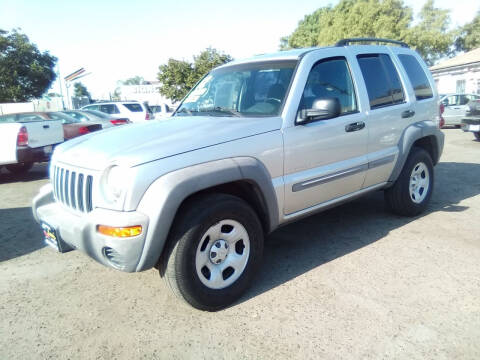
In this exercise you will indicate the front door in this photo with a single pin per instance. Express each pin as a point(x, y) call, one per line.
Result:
point(325, 159)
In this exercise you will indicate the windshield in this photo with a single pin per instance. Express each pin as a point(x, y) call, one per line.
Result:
point(66, 119)
point(257, 89)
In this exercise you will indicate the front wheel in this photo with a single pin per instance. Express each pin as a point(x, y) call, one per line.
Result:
point(215, 249)
point(477, 135)
point(19, 168)
point(410, 194)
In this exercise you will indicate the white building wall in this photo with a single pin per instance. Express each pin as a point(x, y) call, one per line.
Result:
point(447, 80)
point(143, 93)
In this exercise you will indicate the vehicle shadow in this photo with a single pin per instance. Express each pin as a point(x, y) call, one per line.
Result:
point(302, 246)
point(19, 233)
point(37, 172)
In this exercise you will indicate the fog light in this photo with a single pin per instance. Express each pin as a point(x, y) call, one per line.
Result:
point(122, 232)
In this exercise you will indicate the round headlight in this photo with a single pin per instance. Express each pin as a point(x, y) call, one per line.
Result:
point(115, 183)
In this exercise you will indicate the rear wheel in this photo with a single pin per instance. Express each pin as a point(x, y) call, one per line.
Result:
point(215, 249)
point(19, 168)
point(477, 135)
point(410, 194)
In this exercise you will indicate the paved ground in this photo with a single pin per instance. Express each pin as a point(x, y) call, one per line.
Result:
point(354, 282)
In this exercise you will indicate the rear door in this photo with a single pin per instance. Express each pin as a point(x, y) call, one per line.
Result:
point(41, 132)
point(390, 110)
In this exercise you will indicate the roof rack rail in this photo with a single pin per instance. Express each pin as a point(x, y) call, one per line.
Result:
point(345, 42)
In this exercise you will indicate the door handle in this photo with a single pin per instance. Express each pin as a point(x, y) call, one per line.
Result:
point(407, 114)
point(46, 126)
point(359, 125)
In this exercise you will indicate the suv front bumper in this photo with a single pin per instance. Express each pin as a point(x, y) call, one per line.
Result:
point(80, 230)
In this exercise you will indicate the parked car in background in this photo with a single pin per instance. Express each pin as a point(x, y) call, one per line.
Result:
point(71, 126)
point(92, 115)
point(132, 110)
point(162, 109)
point(455, 106)
point(471, 120)
point(26, 138)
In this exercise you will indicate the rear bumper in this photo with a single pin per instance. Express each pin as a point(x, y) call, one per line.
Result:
point(80, 232)
point(471, 124)
point(28, 154)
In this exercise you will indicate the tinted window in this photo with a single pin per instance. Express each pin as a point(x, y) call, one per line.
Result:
point(330, 78)
point(381, 78)
point(134, 107)
point(463, 100)
point(91, 107)
point(109, 109)
point(417, 77)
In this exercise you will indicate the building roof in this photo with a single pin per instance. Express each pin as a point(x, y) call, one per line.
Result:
point(469, 57)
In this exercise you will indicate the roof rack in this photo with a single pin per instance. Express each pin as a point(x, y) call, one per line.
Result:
point(345, 42)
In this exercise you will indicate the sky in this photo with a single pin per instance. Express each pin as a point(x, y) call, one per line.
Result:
point(115, 40)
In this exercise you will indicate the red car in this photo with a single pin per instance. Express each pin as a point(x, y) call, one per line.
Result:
point(71, 126)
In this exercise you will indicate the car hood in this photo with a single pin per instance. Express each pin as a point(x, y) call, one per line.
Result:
point(134, 144)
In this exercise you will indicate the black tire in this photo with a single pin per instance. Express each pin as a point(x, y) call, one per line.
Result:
point(20, 168)
point(477, 135)
point(178, 262)
point(398, 197)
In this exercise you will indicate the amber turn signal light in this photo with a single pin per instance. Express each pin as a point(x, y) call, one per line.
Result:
point(121, 232)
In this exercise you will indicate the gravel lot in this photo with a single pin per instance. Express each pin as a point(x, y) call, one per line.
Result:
point(353, 282)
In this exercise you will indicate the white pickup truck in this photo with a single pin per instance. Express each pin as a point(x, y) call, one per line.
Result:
point(27, 138)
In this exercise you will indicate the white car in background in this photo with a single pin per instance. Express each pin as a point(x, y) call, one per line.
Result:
point(132, 110)
point(455, 106)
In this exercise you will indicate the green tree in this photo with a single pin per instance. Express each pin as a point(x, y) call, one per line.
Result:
point(179, 76)
point(136, 80)
point(25, 71)
point(375, 18)
point(469, 35)
point(80, 90)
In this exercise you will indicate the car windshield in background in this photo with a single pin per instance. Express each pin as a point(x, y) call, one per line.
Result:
point(134, 107)
point(256, 89)
point(66, 119)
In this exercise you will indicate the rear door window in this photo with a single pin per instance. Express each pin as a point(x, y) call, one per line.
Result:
point(417, 77)
point(134, 107)
point(109, 109)
point(381, 79)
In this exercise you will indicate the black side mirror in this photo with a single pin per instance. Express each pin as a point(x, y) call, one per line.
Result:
point(322, 109)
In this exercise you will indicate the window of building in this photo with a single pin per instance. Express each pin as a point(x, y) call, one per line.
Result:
point(461, 86)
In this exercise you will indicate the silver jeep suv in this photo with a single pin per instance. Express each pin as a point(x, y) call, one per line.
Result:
point(256, 144)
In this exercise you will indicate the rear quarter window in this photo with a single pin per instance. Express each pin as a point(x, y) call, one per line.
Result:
point(134, 107)
point(417, 77)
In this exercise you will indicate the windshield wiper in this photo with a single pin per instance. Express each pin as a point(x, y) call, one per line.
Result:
point(222, 110)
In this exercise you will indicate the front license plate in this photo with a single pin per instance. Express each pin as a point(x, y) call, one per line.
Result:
point(474, 127)
point(48, 149)
point(50, 236)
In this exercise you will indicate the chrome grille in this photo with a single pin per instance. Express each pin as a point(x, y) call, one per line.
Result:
point(72, 188)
